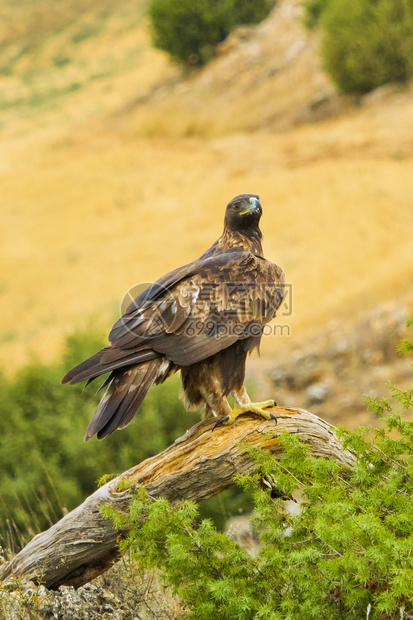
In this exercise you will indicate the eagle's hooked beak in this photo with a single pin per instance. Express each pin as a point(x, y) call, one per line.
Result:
point(253, 207)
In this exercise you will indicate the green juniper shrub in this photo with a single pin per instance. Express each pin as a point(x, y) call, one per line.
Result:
point(406, 346)
point(347, 554)
point(190, 30)
point(313, 10)
point(367, 43)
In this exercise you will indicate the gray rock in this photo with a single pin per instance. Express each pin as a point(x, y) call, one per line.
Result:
point(318, 392)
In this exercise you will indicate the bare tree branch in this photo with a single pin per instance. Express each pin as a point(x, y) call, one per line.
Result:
point(198, 465)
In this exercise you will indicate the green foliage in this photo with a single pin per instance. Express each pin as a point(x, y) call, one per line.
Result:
point(367, 43)
point(347, 554)
point(189, 30)
point(406, 346)
point(313, 10)
point(201, 564)
point(45, 463)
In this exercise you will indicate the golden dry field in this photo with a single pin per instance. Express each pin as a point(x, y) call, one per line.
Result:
point(115, 167)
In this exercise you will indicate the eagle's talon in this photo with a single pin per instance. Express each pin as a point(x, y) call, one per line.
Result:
point(257, 408)
point(268, 404)
point(220, 422)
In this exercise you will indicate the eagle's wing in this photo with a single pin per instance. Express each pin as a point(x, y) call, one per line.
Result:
point(192, 313)
point(196, 311)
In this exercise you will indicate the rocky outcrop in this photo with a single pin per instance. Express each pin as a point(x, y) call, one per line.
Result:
point(339, 366)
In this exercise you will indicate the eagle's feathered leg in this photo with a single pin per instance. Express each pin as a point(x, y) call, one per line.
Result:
point(246, 406)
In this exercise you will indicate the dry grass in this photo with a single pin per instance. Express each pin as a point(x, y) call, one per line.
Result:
point(99, 193)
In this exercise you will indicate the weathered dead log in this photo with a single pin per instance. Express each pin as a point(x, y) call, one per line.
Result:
point(198, 465)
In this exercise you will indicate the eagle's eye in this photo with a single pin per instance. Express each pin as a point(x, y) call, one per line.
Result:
point(236, 206)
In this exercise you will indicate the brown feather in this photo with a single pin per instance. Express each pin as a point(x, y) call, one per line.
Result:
point(124, 395)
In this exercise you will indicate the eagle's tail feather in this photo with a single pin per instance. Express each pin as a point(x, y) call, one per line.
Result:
point(102, 362)
point(85, 370)
point(126, 390)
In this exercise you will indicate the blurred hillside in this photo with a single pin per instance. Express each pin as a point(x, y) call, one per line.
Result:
point(115, 168)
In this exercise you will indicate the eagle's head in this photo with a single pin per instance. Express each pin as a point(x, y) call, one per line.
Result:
point(243, 213)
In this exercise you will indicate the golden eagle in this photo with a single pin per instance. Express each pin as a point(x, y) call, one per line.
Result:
point(202, 319)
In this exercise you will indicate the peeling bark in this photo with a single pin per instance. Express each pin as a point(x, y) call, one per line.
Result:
point(197, 466)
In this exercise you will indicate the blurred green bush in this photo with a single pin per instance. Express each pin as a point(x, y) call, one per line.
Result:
point(47, 467)
point(190, 30)
point(365, 43)
point(313, 10)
